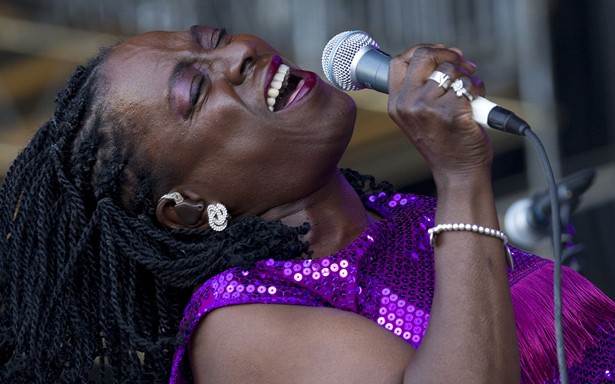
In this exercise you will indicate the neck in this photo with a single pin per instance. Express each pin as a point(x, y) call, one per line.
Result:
point(335, 213)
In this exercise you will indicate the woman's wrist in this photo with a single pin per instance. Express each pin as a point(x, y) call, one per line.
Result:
point(476, 177)
point(467, 199)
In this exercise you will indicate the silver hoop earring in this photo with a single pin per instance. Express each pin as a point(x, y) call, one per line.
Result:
point(217, 216)
point(175, 196)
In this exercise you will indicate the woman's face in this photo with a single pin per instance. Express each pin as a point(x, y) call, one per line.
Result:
point(197, 100)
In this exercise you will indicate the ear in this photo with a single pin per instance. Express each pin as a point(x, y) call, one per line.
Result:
point(187, 213)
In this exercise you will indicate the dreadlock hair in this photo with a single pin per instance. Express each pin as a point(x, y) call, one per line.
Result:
point(92, 288)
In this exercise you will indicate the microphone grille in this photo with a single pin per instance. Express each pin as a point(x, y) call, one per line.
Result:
point(338, 55)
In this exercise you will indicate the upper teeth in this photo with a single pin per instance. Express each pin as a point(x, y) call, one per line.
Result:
point(279, 80)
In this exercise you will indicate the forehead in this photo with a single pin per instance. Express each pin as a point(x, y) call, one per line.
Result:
point(144, 53)
point(137, 70)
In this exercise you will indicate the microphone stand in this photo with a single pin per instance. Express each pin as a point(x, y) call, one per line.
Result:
point(569, 200)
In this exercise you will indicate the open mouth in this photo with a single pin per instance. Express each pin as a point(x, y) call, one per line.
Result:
point(283, 89)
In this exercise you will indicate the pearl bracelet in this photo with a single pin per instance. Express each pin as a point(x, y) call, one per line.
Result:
point(435, 231)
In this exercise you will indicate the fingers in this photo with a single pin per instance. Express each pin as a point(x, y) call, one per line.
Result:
point(431, 88)
point(413, 68)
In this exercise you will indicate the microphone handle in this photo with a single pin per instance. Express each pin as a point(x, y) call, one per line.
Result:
point(370, 68)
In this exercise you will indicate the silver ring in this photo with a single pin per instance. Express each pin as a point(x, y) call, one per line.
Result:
point(460, 90)
point(443, 80)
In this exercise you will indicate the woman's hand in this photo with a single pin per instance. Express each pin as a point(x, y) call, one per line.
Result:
point(437, 121)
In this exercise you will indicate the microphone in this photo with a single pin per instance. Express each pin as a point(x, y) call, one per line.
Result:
point(528, 221)
point(352, 60)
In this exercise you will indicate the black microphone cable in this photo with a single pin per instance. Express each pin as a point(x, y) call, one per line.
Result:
point(556, 229)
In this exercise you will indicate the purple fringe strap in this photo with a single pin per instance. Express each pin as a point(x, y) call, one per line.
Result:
point(586, 313)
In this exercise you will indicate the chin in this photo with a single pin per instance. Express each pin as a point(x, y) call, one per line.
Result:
point(337, 114)
point(348, 113)
point(344, 129)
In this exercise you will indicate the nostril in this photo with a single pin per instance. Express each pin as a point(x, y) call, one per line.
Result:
point(247, 62)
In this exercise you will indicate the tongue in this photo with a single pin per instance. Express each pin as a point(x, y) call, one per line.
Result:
point(294, 95)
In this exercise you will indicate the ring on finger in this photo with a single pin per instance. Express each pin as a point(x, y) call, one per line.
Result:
point(443, 80)
point(460, 90)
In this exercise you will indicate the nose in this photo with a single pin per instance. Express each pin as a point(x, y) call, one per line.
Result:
point(239, 56)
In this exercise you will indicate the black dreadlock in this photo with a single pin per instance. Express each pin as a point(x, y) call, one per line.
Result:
point(92, 289)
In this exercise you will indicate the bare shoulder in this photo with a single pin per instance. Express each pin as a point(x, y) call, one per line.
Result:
point(284, 343)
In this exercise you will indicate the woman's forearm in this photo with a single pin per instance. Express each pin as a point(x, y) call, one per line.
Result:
point(471, 336)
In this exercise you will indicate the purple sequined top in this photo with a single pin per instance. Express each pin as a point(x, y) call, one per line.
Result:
point(387, 275)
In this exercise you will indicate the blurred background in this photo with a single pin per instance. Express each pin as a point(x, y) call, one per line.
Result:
point(551, 62)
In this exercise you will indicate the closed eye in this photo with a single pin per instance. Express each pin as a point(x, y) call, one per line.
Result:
point(196, 88)
point(208, 38)
point(221, 34)
point(187, 87)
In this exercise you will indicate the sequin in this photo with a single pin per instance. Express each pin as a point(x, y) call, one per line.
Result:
point(386, 274)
